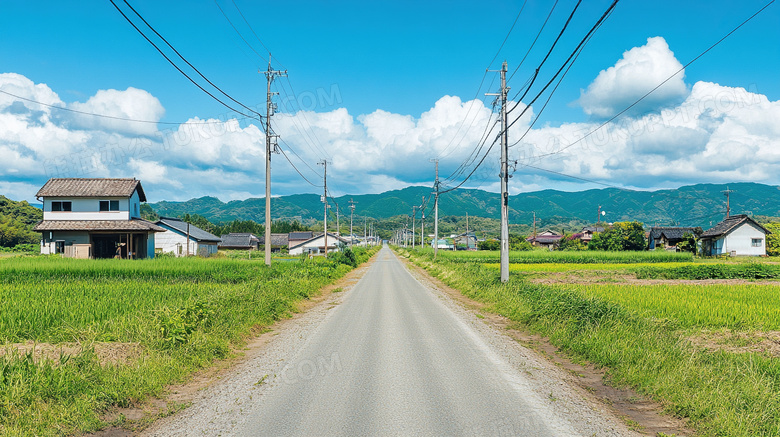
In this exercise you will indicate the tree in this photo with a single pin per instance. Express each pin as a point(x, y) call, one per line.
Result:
point(572, 242)
point(518, 242)
point(773, 239)
point(688, 243)
point(621, 236)
point(489, 245)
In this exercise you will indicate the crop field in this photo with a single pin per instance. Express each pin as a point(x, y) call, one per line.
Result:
point(564, 257)
point(176, 315)
point(699, 336)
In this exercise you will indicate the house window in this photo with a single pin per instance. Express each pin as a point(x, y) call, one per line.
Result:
point(61, 206)
point(756, 242)
point(109, 205)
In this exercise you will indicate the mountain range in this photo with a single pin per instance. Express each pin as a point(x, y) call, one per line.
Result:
point(692, 205)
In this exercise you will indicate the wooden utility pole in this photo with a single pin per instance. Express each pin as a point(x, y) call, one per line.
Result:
point(414, 214)
point(270, 146)
point(422, 223)
point(728, 192)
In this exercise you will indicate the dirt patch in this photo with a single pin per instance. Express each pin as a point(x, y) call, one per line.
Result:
point(130, 421)
point(638, 411)
point(739, 342)
point(107, 353)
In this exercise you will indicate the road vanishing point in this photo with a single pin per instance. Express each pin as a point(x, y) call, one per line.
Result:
point(392, 357)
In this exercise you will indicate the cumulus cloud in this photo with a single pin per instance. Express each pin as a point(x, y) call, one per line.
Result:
point(132, 103)
point(639, 70)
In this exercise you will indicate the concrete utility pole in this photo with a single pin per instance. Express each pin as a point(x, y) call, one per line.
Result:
point(534, 226)
point(422, 223)
point(414, 215)
point(324, 164)
point(504, 177)
point(598, 220)
point(435, 210)
point(365, 231)
point(270, 139)
point(351, 215)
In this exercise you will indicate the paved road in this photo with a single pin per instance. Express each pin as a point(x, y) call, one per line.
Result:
point(395, 359)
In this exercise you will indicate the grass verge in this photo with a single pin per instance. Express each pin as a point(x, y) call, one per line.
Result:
point(718, 392)
point(180, 315)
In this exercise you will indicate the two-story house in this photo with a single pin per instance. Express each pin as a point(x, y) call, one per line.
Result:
point(95, 218)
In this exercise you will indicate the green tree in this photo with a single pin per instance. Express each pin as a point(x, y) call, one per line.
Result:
point(621, 236)
point(489, 245)
point(773, 239)
point(571, 242)
point(688, 243)
point(518, 242)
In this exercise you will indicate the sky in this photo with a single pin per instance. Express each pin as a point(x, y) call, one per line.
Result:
point(379, 89)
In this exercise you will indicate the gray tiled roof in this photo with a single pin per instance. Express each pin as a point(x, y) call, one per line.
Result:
point(729, 224)
point(671, 233)
point(303, 235)
point(180, 226)
point(276, 240)
point(239, 240)
point(97, 225)
point(86, 187)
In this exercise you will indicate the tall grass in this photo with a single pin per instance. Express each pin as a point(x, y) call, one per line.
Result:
point(183, 313)
point(567, 257)
point(720, 393)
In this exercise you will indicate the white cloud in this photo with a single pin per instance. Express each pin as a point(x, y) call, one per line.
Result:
point(639, 70)
point(132, 103)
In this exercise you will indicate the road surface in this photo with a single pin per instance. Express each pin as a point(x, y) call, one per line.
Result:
point(393, 357)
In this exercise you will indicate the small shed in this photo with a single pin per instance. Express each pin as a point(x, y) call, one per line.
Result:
point(736, 235)
point(181, 238)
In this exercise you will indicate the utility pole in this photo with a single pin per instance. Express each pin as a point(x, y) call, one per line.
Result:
point(365, 233)
point(728, 192)
point(338, 226)
point(270, 138)
point(414, 215)
point(324, 164)
point(422, 223)
point(436, 210)
point(534, 226)
point(504, 177)
point(351, 215)
point(599, 218)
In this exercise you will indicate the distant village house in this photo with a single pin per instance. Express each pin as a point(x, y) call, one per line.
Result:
point(182, 239)
point(239, 241)
point(669, 237)
point(736, 235)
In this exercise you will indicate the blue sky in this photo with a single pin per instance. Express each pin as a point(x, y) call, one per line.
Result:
point(385, 86)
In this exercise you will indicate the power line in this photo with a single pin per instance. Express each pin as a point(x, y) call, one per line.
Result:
point(63, 108)
point(534, 41)
point(660, 84)
point(253, 32)
point(239, 33)
point(176, 66)
point(508, 33)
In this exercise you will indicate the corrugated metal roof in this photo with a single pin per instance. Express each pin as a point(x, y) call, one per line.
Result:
point(97, 225)
point(91, 187)
point(195, 232)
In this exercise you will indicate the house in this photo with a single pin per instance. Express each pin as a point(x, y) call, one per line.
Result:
point(467, 240)
point(240, 241)
point(316, 244)
point(278, 241)
point(181, 238)
point(736, 235)
point(548, 239)
point(443, 244)
point(668, 237)
point(586, 234)
point(95, 218)
point(295, 238)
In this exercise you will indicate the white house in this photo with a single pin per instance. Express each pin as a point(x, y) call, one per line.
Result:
point(181, 238)
point(316, 244)
point(737, 235)
point(95, 218)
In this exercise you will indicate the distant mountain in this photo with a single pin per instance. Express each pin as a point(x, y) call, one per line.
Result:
point(693, 205)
